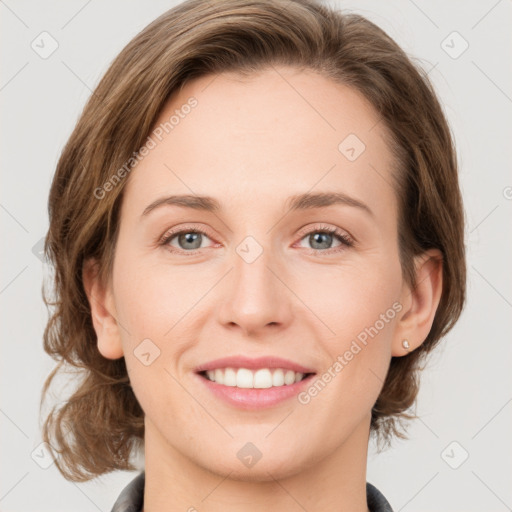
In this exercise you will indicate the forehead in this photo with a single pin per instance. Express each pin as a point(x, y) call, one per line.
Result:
point(274, 133)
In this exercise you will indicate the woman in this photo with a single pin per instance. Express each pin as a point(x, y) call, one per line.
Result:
point(257, 234)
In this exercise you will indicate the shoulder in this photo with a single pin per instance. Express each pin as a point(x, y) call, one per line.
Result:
point(376, 500)
point(132, 496)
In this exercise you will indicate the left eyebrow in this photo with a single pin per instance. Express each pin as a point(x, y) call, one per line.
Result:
point(296, 202)
point(322, 199)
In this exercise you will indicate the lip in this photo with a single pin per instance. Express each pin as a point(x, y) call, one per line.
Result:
point(254, 398)
point(254, 364)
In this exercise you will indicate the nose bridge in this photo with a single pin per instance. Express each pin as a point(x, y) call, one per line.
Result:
point(255, 297)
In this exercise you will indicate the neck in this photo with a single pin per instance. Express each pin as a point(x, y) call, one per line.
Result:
point(176, 482)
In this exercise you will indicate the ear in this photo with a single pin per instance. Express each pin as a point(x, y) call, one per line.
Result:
point(102, 311)
point(420, 303)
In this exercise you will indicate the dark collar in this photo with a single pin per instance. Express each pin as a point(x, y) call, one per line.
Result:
point(132, 497)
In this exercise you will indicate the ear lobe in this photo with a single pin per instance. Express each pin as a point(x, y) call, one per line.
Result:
point(102, 311)
point(422, 302)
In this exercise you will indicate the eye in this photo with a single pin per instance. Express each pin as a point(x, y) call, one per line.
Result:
point(321, 239)
point(185, 240)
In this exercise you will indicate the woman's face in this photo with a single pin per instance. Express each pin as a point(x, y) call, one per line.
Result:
point(262, 278)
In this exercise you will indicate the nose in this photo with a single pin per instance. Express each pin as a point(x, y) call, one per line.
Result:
point(256, 298)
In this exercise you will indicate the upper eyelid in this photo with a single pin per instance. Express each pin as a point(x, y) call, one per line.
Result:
point(192, 228)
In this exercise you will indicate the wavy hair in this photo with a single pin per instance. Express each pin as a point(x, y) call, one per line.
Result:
point(98, 427)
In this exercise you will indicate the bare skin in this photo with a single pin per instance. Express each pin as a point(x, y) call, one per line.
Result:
point(251, 144)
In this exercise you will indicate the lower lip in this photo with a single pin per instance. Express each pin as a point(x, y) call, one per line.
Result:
point(255, 398)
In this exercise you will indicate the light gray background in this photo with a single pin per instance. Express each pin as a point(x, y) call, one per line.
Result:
point(466, 393)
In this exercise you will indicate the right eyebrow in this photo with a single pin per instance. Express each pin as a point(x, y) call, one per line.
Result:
point(205, 203)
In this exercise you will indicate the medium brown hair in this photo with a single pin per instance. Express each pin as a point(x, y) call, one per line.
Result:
point(98, 427)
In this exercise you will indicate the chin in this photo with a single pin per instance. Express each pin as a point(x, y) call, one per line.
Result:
point(264, 470)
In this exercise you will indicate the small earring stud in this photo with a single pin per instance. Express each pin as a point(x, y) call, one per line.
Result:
point(405, 344)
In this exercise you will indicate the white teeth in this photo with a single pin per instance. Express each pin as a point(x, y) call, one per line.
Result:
point(278, 378)
point(244, 378)
point(262, 378)
point(229, 377)
point(289, 377)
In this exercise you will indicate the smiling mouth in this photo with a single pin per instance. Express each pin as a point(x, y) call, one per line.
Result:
point(245, 378)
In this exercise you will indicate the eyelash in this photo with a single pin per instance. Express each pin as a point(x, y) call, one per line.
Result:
point(345, 240)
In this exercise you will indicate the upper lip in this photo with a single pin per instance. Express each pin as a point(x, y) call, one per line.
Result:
point(258, 362)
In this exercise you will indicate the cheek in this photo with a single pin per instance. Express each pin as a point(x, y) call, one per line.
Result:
point(152, 299)
point(358, 309)
point(348, 298)
point(153, 304)
point(157, 305)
